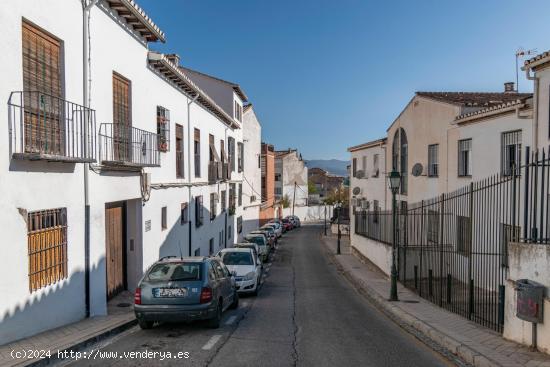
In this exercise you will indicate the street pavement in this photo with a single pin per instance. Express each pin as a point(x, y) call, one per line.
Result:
point(306, 314)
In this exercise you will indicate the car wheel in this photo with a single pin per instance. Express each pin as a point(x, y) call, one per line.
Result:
point(214, 322)
point(235, 303)
point(144, 325)
point(255, 293)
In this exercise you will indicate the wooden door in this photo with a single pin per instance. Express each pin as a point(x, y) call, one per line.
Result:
point(43, 92)
point(115, 249)
point(122, 119)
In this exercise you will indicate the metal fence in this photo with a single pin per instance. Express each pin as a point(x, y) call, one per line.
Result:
point(42, 126)
point(128, 146)
point(453, 249)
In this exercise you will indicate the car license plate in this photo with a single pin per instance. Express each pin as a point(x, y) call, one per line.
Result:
point(169, 292)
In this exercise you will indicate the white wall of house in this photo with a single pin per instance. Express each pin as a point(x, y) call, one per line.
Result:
point(30, 186)
point(293, 173)
point(542, 94)
point(372, 185)
point(252, 176)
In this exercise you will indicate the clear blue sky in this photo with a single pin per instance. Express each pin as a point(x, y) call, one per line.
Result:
point(325, 75)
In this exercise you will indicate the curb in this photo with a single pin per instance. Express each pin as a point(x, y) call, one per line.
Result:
point(83, 344)
point(403, 318)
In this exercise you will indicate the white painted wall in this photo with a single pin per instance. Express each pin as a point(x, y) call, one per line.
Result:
point(377, 252)
point(292, 170)
point(312, 213)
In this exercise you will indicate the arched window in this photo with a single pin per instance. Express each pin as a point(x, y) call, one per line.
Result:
point(400, 157)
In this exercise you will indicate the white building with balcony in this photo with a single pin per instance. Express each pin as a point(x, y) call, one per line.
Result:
point(108, 164)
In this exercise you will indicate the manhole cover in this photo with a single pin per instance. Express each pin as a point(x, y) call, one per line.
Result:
point(123, 304)
point(409, 301)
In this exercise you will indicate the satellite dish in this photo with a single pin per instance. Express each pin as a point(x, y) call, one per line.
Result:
point(360, 174)
point(417, 169)
point(356, 190)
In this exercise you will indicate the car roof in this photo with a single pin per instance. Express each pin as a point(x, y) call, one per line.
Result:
point(236, 249)
point(248, 244)
point(169, 259)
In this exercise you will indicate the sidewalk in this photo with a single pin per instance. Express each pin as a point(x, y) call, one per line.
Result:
point(73, 337)
point(469, 341)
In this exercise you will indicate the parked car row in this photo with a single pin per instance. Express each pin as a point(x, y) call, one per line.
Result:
point(178, 289)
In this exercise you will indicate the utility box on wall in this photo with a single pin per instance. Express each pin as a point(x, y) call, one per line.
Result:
point(530, 300)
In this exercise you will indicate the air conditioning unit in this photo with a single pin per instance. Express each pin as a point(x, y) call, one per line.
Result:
point(356, 191)
point(252, 198)
point(360, 174)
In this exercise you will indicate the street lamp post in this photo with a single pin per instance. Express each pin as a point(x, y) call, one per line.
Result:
point(339, 211)
point(325, 219)
point(394, 182)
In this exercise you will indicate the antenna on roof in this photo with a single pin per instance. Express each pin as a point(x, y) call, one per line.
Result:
point(522, 53)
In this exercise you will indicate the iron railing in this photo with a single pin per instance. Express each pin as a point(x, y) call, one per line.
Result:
point(45, 127)
point(453, 249)
point(122, 145)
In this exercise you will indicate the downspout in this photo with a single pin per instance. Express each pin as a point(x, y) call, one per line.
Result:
point(85, 61)
point(189, 103)
point(535, 108)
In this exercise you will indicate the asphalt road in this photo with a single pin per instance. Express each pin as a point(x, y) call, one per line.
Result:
point(305, 315)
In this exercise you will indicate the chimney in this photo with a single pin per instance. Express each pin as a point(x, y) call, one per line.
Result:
point(509, 87)
point(175, 58)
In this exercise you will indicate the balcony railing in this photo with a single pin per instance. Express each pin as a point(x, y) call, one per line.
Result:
point(214, 171)
point(121, 145)
point(45, 127)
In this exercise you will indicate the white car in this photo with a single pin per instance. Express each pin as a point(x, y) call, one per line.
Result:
point(242, 263)
point(276, 227)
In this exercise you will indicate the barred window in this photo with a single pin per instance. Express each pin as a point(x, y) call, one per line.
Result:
point(465, 157)
point(354, 167)
point(511, 152)
point(179, 152)
point(239, 224)
point(240, 194)
point(47, 246)
point(240, 160)
point(184, 214)
point(197, 152)
point(199, 215)
point(163, 128)
point(213, 206)
point(163, 218)
point(433, 160)
point(223, 200)
point(376, 169)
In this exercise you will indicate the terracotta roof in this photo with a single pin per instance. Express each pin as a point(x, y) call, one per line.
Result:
point(474, 99)
point(137, 19)
point(537, 60)
point(368, 144)
point(237, 88)
point(493, 110)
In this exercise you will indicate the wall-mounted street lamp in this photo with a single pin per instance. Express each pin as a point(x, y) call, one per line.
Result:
point(394, 181)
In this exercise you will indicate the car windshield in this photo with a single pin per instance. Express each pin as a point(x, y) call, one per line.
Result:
point(175, 271)
point(256, 239)
point(237, 258)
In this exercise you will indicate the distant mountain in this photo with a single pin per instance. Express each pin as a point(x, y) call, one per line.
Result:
point(334, 166)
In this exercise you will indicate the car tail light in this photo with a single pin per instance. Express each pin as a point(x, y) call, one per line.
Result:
point(206, 295)
point(137, 296)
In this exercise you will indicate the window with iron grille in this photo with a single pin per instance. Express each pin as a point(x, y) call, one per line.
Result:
point(354, 167)
point(240, 163)
point(240, 194)
point(231, 152)
point(508, 233)
point(232, 196)
point(433, 160)
point(47, 246)
point(239, 224)
point(163, 128)
point(463, 235)
point(197, 151)
point(164, 219)
point(180, 173)
point(184, 214)
point(465, 157)
point(510, 152)
point(433, 226)
point(238, 111)
point(213, 208)
point(199, 215)
point(223, 200)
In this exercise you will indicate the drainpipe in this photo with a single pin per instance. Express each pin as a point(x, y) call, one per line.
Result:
point(535, 108)
point(85, 44)
point(189, 103)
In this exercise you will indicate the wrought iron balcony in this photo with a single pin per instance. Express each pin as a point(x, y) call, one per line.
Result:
point(127, 146)
point(45, 127)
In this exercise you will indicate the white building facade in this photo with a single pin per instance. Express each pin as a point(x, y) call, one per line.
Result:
point(291, 178)
point(162, 158)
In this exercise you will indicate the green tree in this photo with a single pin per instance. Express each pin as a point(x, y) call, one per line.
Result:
point(285, 201)
point(311, 188)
